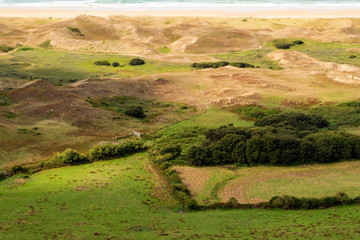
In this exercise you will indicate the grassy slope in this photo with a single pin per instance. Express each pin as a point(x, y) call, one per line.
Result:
point(262, 183)
point(60, 67)
point(326, 52)
point(113, 200)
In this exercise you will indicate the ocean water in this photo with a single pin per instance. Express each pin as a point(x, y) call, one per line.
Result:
point(175, 5)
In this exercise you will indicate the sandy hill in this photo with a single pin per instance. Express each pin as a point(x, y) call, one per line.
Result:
point(183, 35)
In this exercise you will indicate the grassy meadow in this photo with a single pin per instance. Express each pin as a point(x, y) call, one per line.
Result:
point(60, 67)
point(258, 184)
point(324, 51)
point(124, 199)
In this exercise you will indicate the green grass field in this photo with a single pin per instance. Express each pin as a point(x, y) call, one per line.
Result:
point(323, 51)
point(60, 67)
point(120, 199)
point(257, 184)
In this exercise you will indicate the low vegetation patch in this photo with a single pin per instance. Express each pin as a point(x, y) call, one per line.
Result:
point(283, 44)
point(136, 62)
point(5, 100)
point(45, 44)
point(34, 131)
point(255, 57)
point(137, 107)
point(5, 48)
point(165, 50)
point(102, 63)
point(255, 112)
point(75, 30)
point(204, 65)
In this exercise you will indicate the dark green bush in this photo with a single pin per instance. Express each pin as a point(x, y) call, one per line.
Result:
point(204, 65)
point(69, 157)
point(289, 202)
point(242, 65)
point(136, 61)
point(116, 64)
point(16, 169)
point(294, 121)
point(330, 146)
point(102, 63)
point(111, 150)
point(4, 48)
point(135, 111)
point(75, 30)
point(352, 56)
point(283, 45)
point(282, 139)
point(298, 42)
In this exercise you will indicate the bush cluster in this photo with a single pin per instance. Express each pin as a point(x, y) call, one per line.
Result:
point(286, 45)
point(135, 111)
point(290, 202)
point(164, 160)
point(5, 100)
point(282, 139)
point(242, 65)
point(109, 150)
point(136, 61)
point(5, 48)
point(180, 191)
point(75, 30)
point(204, 65)
point(102, 63)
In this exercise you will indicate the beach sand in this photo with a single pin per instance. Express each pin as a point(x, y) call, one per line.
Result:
point(46, 13)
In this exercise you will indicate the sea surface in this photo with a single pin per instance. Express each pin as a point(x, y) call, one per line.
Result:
point(175, 5)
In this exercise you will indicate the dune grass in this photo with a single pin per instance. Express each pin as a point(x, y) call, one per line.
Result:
point(256, 57)
point(60, 67)
point(324, 51)
point(256, 184)
point(117, 199)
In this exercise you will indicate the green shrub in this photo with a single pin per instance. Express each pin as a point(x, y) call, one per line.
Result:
point(255, 112)
point(204, 65)
point(352, 56)
point(298, 42)
point(4, 100)
point(16, 169)
point(45, 44)
point(135, 111)
point(242, 65)
point(283, 45)
point(75, 30)
point(69, 157)
point(136, 61)
point(281, 139)
point(111, 150)
point(4, 48)
point(342, 198)
point(26, 49)
point(116, 64)
point(102, 63)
